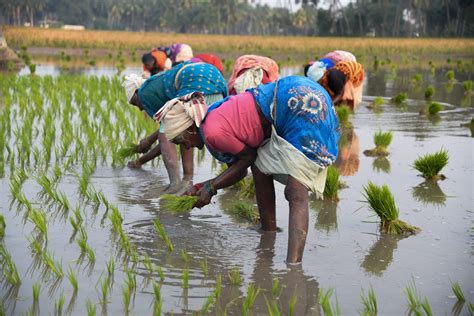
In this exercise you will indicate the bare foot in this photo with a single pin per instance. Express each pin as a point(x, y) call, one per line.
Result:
point(173, 188)
point(134, 164)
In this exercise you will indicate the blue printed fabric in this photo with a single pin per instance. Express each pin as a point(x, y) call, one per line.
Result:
point(303, 115)
point(162, 87)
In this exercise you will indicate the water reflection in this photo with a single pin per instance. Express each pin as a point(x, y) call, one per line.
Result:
point(381, 164)
point(429, 193)
point(326, 218)
point(380, 254)
point(348, 157)
point(292, 280)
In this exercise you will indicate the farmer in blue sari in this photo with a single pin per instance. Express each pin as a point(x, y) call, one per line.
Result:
point(155, 92)
point(285, 130)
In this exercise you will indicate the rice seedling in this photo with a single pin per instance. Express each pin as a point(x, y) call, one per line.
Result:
point(9, 270)
point(210, 301)
point(458, 291)
point(369, 302)
point(413, 299)
point(146, 261)
point(104, 286)
point(76, 220)
point(160, 272)
point(185, 256)
point(36, 292)
point(157, 301)
point(249, 300)
point(450, 75)
point(430, 165)
point(292, 303)
point(110, 267)
point(467, 86)
point(332, 184)
point(425, 305)
point(377, 103)
point(247, 187)
point(434, 108)
point(235, 277)
point(126, 296)
point(400, 98)
point(72, 279)
point(91, 308)
point(204, 267)
point(382, 203)
point(128, 150)
point(52, 265)
point(272, 309)
point(185, 278)
point(276, 288)
point(177, 204)
point(416, 79)
point(247, 211)
point(343, 113)
point(325, 303)
point(59, 304)
point(3, 226)
point(381, 140)
point(38, 218)
point(470, 308)
point(161, 231)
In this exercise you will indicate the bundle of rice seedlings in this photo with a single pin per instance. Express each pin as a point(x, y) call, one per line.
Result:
point(416, 79)
point(430, 90)
point(343, 113)
point(467, 86)
point(458, 291)
point(434, 108)
point(430, 165)
point(332, 185)
point(378, 101)
point(381, 201)
point(178, 204)
point(246, 211)
point(128, 150)
point(450, 75)
point(399, 98)
point(247, 187)
point(381, 140)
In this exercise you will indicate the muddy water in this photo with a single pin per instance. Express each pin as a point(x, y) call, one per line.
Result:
point(344, 248)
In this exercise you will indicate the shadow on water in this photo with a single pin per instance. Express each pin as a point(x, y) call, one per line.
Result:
point(429, 193)
point(381, 164)
point(348, 157)
point(326, 214)
point(380, 255)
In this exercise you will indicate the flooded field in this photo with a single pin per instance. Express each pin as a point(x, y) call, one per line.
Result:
point(60, 136)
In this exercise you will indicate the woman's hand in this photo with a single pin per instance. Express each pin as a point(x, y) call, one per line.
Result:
point(144, 146)
point(134, 164)
point(204, 198)
point(194, 189)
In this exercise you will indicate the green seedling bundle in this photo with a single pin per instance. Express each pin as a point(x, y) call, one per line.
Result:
point(430, 165)
point(177, 204)
point(381, 140)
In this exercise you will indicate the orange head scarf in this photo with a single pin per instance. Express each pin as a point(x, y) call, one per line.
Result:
point(353, 71)
point(160, 58)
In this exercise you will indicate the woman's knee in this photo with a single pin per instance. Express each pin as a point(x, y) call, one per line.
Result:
point(296, 192)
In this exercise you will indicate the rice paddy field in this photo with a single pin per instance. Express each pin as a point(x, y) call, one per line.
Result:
point(80, 233)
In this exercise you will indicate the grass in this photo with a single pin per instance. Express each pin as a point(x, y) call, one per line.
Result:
point(235, 277)
point(178, 204)
point(400, 98)
point(250, 298)
point(429, 92)
point(430, 165)
point(161, 231)
point(382, 203)
point(247, 211)
point(381, 140)
point(332, 185)
point(458, 291)
point(370, 303)
point(343, 113)
point(434, 108)
point(325, 303)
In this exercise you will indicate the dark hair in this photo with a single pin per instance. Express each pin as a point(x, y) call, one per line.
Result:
point(336, 80)
point(148, 57)
point(305, 69)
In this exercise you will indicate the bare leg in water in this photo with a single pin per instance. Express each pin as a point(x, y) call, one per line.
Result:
point(170, 158)
point(187, 156)
point(297, 196)
point(265, 192)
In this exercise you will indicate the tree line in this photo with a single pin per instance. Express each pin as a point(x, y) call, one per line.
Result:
point(386, 18)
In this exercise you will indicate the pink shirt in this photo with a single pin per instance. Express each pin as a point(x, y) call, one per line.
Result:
point(233, 125)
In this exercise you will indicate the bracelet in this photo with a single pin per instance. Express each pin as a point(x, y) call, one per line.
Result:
point(210, 188)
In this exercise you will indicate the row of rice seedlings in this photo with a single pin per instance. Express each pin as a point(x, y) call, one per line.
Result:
point(430, 165)
point(250, 298)
point(325, 303)
point(9, 270)
point(381, 140)
point(177, 204)
point(333, 184)
point(382, 203)
point(247, 211)
point(161, 231)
